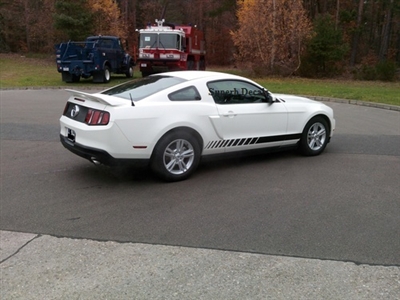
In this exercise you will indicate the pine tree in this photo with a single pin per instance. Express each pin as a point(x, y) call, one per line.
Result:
point(74, 18)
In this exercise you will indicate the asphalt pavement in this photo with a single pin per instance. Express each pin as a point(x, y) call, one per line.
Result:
point(51, 266)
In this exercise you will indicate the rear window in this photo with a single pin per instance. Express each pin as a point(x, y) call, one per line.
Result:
point(139, 89)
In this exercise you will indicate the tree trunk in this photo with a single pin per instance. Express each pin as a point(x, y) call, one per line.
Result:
point(386, 29)
point(337, 14)
point(27, 25)
point(323, 6)
point(357, 33)
point(273, 34)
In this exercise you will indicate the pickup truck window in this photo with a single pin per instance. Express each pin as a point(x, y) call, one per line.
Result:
point(106, 44)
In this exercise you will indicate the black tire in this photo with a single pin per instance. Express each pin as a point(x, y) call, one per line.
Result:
point(176, 156)
point(129, 72)
point(190, 64)
point(106, 74)
point(76, 78)
point(315, 137)
point(66, 76)
point(202, 64)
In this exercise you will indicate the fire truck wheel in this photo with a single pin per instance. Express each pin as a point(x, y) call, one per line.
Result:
point(190, 64)
point(202, 64)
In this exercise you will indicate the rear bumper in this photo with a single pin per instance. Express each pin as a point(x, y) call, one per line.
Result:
point(99, 156)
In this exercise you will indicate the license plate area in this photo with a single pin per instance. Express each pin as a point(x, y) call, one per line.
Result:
point(71, 135)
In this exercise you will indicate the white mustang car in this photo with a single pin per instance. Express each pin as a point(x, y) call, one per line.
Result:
point(170, 120)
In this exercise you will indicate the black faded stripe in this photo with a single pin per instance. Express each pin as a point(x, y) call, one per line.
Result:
point(251, 141)
point(278, 138)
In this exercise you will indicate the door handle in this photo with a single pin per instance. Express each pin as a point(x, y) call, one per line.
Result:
point(229, 114)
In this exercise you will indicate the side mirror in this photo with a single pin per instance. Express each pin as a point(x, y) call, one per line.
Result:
point(268, 96)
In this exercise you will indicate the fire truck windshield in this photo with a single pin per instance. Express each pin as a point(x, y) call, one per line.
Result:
point(169, 41)
point(161, 40)
point(148, 40)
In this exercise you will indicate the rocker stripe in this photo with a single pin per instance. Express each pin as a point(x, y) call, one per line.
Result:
point(250, 141)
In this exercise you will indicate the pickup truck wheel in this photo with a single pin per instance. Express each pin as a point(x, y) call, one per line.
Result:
point(75, 78)
point(129, 73)
point(66, 76)
point(106, 74)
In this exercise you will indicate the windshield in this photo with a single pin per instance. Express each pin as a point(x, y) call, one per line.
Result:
point(148, 40)
point(136, 90)
point(169, 41)
point(162, 40)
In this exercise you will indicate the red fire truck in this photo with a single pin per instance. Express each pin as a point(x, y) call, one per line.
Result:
point(166, 47)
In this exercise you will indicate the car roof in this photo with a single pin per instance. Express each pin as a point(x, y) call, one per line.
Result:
point(193, 75)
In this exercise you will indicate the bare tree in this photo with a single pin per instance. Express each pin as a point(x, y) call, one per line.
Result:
point(386, 29)
point(271, 34)
point(357, 33)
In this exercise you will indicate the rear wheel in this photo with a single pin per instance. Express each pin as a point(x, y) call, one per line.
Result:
point(106, 74)
point(69, 78)
point(314, 137)
point(129, 72)
point(202, 63)
point(176, 156)
point(190, 63)
point(76, 78)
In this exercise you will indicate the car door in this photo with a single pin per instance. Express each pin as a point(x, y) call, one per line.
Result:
point(244, 112)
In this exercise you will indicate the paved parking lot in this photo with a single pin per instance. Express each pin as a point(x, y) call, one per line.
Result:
point(272, 221)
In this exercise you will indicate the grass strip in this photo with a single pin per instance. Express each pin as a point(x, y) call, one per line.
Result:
point(18, 71)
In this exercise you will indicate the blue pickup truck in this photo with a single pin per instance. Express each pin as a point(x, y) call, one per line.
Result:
point(97, 57)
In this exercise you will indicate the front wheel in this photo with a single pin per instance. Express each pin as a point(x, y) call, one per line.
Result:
point(176, 156)
point(314, 137)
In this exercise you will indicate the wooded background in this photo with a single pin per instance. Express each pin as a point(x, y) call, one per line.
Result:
point(302, 37)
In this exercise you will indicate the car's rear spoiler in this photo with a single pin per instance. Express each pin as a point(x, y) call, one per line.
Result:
point(104, 99)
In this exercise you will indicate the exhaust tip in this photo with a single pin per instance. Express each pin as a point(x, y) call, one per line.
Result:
point(95, 161)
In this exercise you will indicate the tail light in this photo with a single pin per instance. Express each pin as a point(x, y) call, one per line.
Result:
point(97, 117)
point(65, 108)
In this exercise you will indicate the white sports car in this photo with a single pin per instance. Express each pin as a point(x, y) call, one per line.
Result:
point(170, 120)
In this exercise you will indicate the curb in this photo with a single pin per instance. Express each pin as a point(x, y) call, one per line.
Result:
point(356, 102)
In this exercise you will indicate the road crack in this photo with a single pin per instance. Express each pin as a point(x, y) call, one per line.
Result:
point(20, 248)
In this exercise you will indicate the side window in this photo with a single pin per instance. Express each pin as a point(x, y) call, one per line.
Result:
point(119, 45)
point(235, 92)
point(187, 94)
